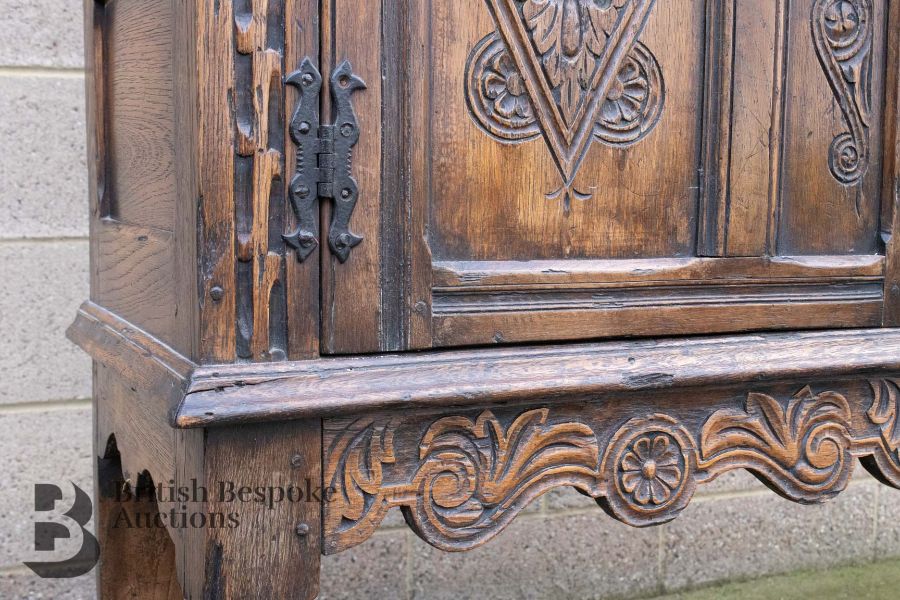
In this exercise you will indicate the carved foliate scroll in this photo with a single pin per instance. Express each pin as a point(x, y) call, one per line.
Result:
point(843, 31)
point(804, 444)
point(356, 475)
point(570, 70)
point(474, 476)
point(885, 412)
point(884, 464)
point(462, 479)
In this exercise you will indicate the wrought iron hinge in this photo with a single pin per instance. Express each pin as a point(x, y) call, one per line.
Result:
point(324, 153)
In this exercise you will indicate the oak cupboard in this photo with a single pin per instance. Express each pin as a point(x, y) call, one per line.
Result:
point(446, 256)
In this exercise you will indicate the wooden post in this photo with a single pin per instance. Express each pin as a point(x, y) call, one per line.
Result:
point(261, 531)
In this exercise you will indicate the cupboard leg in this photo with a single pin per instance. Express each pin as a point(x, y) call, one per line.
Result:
point(262, 511)
point(136, 561)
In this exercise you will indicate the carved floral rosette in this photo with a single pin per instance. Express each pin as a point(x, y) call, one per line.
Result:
point(460, 479)
point(498, 98)
point(650, 468)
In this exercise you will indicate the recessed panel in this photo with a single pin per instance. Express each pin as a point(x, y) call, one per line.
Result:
point(140, 112)
point(564, 131)
point(831, 195)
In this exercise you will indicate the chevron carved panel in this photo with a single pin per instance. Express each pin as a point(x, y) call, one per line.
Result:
point(569, 71)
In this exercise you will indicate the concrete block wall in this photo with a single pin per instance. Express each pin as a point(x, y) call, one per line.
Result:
point(563, 547)
point(45, 417)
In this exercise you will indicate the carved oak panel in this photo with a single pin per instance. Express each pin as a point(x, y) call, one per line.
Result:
point(461, 477)
point(568, 71)
point(833, 126)
point(569, 103)
point(512, 171)
point(578, 169)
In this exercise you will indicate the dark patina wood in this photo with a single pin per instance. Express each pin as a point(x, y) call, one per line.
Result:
point(461, 476)
point(687, 210)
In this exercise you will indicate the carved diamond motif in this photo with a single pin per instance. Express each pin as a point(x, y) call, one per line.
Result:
point(570, 70)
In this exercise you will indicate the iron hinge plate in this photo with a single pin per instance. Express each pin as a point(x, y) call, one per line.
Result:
point(324, 160)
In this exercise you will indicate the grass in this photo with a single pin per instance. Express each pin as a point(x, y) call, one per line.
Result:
point(874, 581)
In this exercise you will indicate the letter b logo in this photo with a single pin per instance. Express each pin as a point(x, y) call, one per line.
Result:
point(47, 532)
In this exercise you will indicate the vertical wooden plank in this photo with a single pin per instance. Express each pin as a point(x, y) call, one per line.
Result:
point(190, 544)
point(96, 138)
point(394, 173)
point(890, 215)
point(256, 306)
point(187, 331)
point(259, 119)
point(419, 274)
point(136, 562)
point(132, 80)
point(302, 30)
point(139, 46)
point(747, 209)
point(268, 549)
point(825, 209)
point(275, 551)
point(776, 133)
point(352, 290)
point(719, 86)
point(216, 253)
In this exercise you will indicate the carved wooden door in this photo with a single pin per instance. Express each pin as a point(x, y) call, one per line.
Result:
point(536, 170)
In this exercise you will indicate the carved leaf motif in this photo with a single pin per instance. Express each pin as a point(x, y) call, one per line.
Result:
point(843, 32)
point(807, 442)
point(884, 460)
point(516, 456)
point(473, 473)
point(884, 412)
point(356, 476)
point(463, 480)
point(570, 35)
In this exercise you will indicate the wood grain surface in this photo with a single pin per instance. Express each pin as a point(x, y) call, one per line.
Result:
point(461, 477)
point(687, 210)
